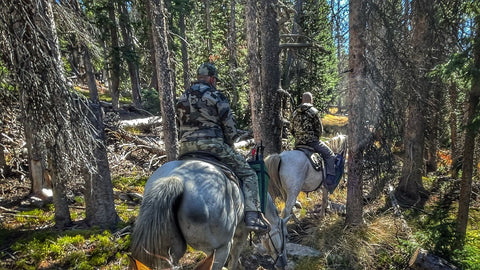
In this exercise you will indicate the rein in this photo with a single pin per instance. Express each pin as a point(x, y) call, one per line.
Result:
point(282, 247)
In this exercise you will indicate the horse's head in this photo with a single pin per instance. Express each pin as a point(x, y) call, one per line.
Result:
point(275, 242)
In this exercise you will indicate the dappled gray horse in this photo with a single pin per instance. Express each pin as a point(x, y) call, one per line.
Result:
point(193, 202)
point(291, 172)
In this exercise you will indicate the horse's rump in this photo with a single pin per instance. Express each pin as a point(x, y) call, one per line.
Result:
point(186, 201)
point(156, 233)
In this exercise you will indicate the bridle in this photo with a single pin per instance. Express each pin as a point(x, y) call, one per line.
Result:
point(279, 251)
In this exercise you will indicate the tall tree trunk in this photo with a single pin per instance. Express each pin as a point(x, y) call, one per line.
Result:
point(271, 133)
point(40, 78)
point(286, 78)
point(253, 65)
point(100, 207)
point(410, 190)
point(232, 53)
point(469, 147)
point(50, 108)
point(453, 96)
point(209, 26)
point(154, 80)
point(115, 59)
point(130, 54)
point(165, 77)
point(432, 138)
point(184, 49)
point(37, 154)
point(356, 100)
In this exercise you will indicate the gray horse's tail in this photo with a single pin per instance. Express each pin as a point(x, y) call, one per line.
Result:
point(272, 162)
point(156, 238)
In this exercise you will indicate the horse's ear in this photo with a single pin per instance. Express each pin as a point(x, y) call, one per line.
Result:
point(207, 263)
point(136, 264)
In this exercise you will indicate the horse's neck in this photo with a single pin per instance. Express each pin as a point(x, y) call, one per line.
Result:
point(271, 211)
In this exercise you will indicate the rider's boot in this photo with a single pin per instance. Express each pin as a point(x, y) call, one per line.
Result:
point(255, 221)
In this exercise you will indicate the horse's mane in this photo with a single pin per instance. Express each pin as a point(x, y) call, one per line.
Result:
point(338, 143)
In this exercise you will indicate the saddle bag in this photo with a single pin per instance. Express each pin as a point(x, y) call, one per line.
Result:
point(315, 159)
point(339, 168)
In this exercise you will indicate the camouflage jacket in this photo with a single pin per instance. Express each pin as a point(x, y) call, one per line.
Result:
point(204, 113)
point(306, 125)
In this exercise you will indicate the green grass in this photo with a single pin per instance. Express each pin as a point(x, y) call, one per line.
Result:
point(34, 217)
point(76, 249)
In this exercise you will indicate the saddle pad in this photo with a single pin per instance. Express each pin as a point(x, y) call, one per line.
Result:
point(315, 159)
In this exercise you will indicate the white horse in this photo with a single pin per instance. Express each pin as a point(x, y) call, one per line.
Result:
point(291, 172)
point(193, 202)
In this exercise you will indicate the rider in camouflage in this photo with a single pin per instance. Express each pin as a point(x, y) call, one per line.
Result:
point(207, 124)
point(307, 128)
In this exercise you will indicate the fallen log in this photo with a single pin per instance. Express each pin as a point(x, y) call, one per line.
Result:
point(141, 123)
point(244, 144)
point(424, 260)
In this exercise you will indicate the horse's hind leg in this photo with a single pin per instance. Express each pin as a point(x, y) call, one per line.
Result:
point(221, 255)
point(323, 210)
point(291, 201)
point(239, 242)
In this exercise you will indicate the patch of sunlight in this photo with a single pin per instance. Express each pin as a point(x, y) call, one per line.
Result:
point(334, 120)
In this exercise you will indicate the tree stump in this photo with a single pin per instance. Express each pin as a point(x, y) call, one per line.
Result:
point(423, 260)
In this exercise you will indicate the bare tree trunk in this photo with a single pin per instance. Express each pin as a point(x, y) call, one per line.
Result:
point(271, 132)
point(253, 65)
point(165, 77)
point(100, 207)
point(114, 58)
point(410, 190)
point(469, 147)
point(432, 139)
point(356, 100)
point(40, 78)
point(130, 54)
point(453, 96)
point(209, 26)
point(184, 49)
point(36, 159)
point(232, 52)
point(290, 54)
point(50, 109)
point(154, 80)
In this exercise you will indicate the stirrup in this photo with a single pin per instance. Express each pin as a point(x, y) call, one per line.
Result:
point(255, 222)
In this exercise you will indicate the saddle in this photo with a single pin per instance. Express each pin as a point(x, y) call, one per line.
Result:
point(258, 166)
point(315, 159)
point(212, 159)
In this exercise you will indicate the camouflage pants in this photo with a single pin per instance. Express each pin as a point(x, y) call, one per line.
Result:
point(233, 160)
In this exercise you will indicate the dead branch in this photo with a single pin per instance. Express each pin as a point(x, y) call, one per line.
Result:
point(148, 145)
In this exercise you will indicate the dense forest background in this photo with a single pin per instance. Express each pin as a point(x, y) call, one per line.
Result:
point(404, 72)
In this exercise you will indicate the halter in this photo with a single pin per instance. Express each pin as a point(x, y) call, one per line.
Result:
point(271, 233)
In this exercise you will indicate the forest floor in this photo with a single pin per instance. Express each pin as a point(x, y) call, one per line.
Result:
point(22, 214)
point(385, 242)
